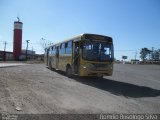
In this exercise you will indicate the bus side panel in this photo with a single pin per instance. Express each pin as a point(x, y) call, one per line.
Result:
point(46, 57)
point(53, 61)
point(64, 60)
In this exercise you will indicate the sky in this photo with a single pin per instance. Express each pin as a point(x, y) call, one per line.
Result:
point(133, 24)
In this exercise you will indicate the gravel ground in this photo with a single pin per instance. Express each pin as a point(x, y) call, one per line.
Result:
point(33, 88)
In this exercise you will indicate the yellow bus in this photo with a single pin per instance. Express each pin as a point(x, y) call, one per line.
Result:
point(84, 55)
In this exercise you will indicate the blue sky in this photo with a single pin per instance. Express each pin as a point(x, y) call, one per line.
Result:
point(132, 24)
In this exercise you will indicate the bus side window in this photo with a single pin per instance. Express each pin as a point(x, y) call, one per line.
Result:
point(53, 50)
point(62, 48)
point(66, 45)
point(50, 51)
point(69, 47)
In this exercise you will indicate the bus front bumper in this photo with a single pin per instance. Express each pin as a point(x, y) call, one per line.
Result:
point(86, 71)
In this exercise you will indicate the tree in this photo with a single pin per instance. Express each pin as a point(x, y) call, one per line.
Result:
point(44, 43)
point(144, 53)
point(155, 55)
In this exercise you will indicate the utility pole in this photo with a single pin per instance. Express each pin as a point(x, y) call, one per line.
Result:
point(153, 54)
point(32, 53)
point(27, 49)
point(4, 57)
point(135, 55)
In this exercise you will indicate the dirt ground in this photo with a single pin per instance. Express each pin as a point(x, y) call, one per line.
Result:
point(33, 88)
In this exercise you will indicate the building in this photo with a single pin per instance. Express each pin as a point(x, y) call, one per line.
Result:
point(133, 61)
point(17, 39)
point(6, 55)
point(30, 54)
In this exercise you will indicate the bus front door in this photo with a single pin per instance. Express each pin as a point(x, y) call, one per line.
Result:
point(76, 58)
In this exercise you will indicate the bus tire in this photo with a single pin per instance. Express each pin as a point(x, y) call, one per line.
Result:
point(68, 71)
point(50, 66)
point(100, 76)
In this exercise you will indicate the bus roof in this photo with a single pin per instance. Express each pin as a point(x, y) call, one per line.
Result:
point(77, 38)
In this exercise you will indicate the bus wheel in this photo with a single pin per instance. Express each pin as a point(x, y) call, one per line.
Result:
point(100, 76)
point(69, 71)
point(50, 66)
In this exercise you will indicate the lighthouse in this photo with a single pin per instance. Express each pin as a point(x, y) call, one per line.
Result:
point(17, 39)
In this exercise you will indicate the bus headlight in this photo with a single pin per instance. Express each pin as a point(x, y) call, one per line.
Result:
point(84, 67)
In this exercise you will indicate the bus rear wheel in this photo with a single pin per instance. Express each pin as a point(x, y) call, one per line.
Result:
point(69, 71)
point(50, 66)
point(100, 76)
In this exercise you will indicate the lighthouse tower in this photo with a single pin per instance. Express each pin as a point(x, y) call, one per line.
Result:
point(17, 39)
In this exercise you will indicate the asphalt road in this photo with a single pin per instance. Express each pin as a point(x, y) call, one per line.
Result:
point(10, 64)
point(36, 89)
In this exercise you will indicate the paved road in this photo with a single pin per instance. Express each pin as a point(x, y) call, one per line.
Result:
point(11, 64)
point(36, 89)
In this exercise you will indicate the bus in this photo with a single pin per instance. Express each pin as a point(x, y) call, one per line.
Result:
point(84, 55)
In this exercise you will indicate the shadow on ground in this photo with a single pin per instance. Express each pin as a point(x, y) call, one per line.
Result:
point(117, 87)
point(120, 88)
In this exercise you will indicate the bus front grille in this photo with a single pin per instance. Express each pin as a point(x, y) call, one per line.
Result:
point(101, 67)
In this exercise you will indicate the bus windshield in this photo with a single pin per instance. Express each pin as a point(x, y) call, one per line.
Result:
point(97, 51)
